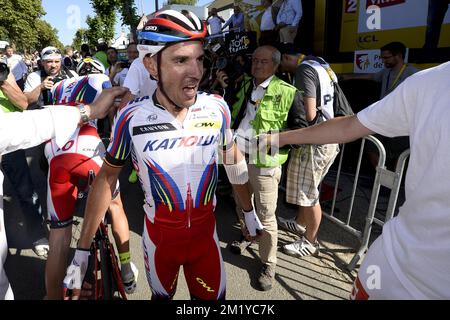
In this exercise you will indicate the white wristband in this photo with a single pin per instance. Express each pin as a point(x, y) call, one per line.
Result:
point(237, 173)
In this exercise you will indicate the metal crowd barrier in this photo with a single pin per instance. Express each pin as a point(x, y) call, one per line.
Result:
point(383, 177)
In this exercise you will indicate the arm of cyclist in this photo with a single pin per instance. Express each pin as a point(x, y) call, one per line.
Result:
point(98, 201)
point(237, 172)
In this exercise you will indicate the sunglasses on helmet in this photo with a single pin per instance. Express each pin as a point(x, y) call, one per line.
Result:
point(51, 51)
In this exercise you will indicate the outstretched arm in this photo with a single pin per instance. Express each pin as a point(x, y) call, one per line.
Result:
point(337, 130)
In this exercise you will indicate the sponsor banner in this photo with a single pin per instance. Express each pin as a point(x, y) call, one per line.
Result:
point(369, 61)
point(243, 42)
point(396, 20)
point(383, 3)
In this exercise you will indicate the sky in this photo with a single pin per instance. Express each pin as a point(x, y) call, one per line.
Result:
point(69, 15)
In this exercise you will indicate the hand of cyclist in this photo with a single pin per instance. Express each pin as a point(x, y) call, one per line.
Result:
point(254, 226)
point(100, 107)
point(76, 272)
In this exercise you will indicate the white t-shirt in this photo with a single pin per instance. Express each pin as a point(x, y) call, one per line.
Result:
point(138, 80)
point(120, 77)
point(417, 241)
point(215, 25)
point(16, 65)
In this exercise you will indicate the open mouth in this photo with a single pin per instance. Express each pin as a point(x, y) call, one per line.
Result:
point(190, 91)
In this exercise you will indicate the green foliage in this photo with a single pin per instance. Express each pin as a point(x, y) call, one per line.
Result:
point(21, 25)
point(80, 38)
point(48, 36)
point(187, 2)
point(129, 15)
point(102, 24)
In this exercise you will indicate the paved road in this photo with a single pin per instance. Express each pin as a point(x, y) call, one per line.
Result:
point(322, 277)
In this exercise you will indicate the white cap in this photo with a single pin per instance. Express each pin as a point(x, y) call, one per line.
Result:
point(50, 53)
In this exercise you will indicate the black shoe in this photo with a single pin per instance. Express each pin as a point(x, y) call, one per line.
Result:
point(266, 277)
point(238, 246)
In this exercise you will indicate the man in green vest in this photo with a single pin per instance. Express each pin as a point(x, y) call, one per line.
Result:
point(266, 103)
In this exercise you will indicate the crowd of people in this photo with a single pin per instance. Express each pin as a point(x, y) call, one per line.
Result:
point(268, 108)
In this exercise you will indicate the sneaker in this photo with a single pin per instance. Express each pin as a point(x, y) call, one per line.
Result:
point(41, 248)
point(129, 274)
point(292, 226)
point(238, 246)
point(266, 277)
point(301, 248)
point(133, 177)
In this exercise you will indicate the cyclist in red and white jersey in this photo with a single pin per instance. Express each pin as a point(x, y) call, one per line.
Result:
point(81, 155)
point(173, 138)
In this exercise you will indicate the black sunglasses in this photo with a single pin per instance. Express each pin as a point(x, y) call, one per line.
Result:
point(51, 51)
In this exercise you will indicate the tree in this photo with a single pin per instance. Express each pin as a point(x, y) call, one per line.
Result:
point(129, 15)
point(106, 8)
point(80, 38)
point(187, 2)
point(102, 24)
point(18, 19)
point(48, 36)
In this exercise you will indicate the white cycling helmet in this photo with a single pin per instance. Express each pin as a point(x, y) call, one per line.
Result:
point(89, 66)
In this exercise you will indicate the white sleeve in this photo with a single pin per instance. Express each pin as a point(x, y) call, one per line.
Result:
point(392, 116)
point(20, 130)
point(132, 79)
point(33, 80)
point(24, 67)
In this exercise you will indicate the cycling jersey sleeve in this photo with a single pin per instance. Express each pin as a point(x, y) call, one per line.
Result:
point(226, 139)
point(106, 85)
point(120, 147)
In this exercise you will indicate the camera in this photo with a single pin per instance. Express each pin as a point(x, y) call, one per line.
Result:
point(57, 79)
point(125, 64)
point(231, 67)
point(4, 71)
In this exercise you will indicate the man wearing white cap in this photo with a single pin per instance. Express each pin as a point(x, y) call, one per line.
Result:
point(40, 82)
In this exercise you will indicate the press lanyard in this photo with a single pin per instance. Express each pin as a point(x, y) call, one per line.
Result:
point(299, 61)
point(396, 78)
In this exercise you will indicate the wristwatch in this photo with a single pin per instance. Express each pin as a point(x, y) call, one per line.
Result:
point(83, 113)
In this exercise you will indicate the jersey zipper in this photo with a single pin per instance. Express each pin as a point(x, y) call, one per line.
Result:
point(189, 205)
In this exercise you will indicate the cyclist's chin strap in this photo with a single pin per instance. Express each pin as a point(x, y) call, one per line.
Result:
point(160, 83)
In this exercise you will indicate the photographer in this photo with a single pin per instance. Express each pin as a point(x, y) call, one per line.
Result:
point(119, 71)
point(227, 74)
point(39, 83)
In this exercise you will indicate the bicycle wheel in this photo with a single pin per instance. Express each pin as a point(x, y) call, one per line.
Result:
point(117, 284)
point(105, 267)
